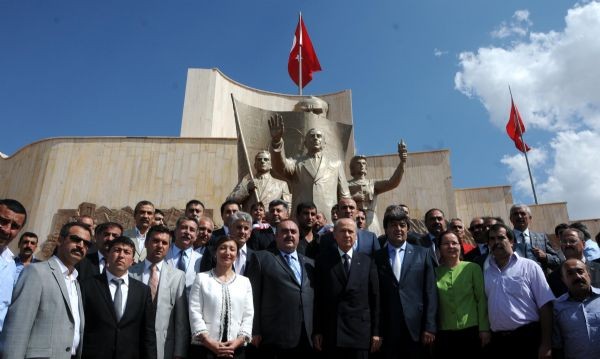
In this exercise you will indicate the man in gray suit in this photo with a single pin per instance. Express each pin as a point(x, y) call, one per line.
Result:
point(182, 255)
point(167, 287)
point(532, 245)
point(143, 214)
point(45, 319)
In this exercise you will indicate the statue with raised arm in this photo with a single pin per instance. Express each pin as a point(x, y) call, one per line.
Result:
point(263, 186)
point(313, 176)
point(365, 190)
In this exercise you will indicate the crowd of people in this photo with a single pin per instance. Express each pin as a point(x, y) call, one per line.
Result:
point(275, 284)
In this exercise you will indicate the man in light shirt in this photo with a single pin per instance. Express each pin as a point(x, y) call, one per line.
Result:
point(143, 214)
point(12, 218)
point(519, 300)
point(46, 318)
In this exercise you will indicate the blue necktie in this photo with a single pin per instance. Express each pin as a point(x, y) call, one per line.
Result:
point(181, 264)
point(293, 267)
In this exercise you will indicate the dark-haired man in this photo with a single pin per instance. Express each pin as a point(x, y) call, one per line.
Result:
point(12, 218)
point(228, 208)
point(46, 318)
point(28, 243)
point(119, 310)
point(143, 214)
point(182, 255)
point(264, 238)
point(167, 288)
point(94, 263)
point(194, 209)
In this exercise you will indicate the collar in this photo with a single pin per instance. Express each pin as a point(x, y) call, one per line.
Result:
point(111, 276)
point(392, 249)
point(177, 250)
point(138, 233)
point(518, 233)
point(100, 257)
point(244, 249)
point(7, 254)
point(293, 254)
point(147, 265)
point(265, 175)
point(513, 258)
point(349, 253)
point(64, 270)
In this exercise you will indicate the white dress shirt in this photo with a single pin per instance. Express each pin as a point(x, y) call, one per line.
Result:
point(240, 261)
point(124, 288)
point(349, 253)
point(101, 262)
point(71, 284)
point(146, 274)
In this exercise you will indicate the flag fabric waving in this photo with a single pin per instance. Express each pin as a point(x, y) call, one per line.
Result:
point(515, 128)
point(308, 56)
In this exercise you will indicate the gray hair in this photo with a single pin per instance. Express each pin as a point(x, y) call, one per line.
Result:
point(239, 216)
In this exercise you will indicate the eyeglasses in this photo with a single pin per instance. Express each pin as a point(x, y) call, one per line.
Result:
point(76, 239)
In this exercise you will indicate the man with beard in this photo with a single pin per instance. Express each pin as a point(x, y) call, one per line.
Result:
point(167, 288)
point(46, 318)
point(143, 214)
point(436, 225)
point(12, 218)
point(306, 217)
point(572, 244)
point(94, 263)
point(119, 310)
point(576, 324)
point(27, 245)
point(182, 254)
point(519, 300)
point(263, 186)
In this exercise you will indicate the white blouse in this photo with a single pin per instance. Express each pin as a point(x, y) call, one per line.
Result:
point(211, 299)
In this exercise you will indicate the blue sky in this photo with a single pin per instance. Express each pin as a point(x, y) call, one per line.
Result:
point(95, 68)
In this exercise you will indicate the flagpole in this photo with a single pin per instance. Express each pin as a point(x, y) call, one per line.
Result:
point(300, 54)
point(518, 126)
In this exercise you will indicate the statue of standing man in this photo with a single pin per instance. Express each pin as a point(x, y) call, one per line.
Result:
point(364, 190)
point(264, 186)
point(313, 177)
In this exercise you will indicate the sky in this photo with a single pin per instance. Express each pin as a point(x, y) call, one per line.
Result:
point(434, 73)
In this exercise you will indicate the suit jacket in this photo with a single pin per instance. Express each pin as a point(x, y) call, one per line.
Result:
point(132, 337)
point(140, 251)
point(323, 184)
point(40, 323)
point(88, 267)
point(367, 242)
point(413, 238)
point(541, 241)
point(346, 307)
point(171, 324)
point(261, 239)
point(282, 306)
point(193, 266)
point(209, 261)
point(474, 254)
point(413, 298)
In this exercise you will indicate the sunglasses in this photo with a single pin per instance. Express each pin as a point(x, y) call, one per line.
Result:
point(76, 239)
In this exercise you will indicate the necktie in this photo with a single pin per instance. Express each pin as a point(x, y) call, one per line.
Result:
point(153, 281)
point(118, 302)
point(396, 266)
point(346, 263)
point(289, 259)
point(181, 264)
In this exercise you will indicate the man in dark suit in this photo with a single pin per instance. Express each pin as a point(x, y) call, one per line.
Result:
point(346, 318)
point(119, 310)
point(283, 297)
point(479, 228)
point(366, 241)
point(228, 208)
point(408, 291)
point(572, 244)
point(532, 245)
point(94, 263)
point(264, 238)
point(436, 224)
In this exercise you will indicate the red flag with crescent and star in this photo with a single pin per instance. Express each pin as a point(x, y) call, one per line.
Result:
point(304, 53)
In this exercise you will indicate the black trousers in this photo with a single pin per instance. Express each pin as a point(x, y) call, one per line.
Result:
point(463, 344)
point(524, 340)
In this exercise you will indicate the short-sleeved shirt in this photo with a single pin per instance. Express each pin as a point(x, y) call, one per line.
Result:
point(515, 293)
point(577, 326)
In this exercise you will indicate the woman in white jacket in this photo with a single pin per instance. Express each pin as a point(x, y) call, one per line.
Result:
point(221, 309)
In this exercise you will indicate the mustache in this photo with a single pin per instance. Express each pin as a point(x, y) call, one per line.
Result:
point(77, 250)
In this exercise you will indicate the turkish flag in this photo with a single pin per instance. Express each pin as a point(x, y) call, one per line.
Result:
point(310, 62)
point(515, 128)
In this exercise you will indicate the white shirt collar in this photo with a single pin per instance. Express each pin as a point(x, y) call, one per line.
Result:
point(349, 253)
point(64, 270)
point(147, 265)
point(7, 254)
point(111, 276)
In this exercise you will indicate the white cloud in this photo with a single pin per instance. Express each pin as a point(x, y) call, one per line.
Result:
point(439, 53)
point(518, 26)
point(554, 78)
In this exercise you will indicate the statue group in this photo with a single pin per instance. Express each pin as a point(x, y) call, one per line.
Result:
point(315, 174)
